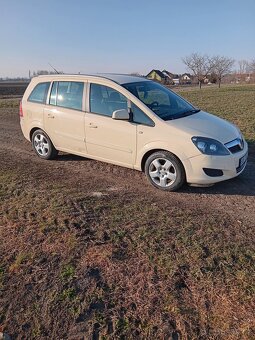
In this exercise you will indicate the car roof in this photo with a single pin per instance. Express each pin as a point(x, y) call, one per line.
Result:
point(117, 78)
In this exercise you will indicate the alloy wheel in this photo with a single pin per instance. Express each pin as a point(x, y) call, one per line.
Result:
point(162, 172)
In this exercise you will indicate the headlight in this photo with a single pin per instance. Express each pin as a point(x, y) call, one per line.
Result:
point(209, 146)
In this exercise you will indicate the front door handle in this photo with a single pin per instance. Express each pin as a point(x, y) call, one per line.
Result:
point(50, 115)
point(92, 126)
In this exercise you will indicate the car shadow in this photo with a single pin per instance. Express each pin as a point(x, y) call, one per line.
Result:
point(243, 185)
point(67, 157)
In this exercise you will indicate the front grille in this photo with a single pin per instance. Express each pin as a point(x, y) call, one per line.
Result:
point(240, 168)
point(235, 145)
point(242, 163)
point(235, 148)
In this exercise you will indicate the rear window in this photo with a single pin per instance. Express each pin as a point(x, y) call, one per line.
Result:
point(39, 93)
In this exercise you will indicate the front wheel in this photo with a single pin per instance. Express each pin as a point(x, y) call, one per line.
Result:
point(43, 145)
point(165, 171)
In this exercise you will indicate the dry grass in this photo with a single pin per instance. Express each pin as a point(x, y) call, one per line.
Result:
point(140, 271)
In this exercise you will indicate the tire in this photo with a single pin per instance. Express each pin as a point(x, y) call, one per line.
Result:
point(165, 171)
point(43, 146)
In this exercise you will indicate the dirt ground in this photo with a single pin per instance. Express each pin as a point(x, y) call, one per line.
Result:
point(91, 250)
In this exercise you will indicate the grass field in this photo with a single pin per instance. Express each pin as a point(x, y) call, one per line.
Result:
point(91, 251)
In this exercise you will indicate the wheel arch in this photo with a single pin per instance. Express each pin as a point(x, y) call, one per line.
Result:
point(52, 151)
point(32, 131)
point(146, 155)
point(150, 152)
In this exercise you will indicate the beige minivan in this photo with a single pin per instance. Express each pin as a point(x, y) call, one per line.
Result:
point(132, 122)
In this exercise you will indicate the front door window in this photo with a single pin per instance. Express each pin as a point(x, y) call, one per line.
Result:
point(105, 100)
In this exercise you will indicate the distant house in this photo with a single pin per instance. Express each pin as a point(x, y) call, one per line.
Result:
point(176, 79)
point(157, 75)
point(170, 77)
point(206, 80)
point(243, 78)
point(186, 78)
point(168, 74)
point(173, 78)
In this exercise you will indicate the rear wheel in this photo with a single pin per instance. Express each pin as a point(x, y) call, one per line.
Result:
point(43, 145)
point(165, 171)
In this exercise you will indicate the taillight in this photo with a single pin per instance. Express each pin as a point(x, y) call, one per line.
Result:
point(20, 110)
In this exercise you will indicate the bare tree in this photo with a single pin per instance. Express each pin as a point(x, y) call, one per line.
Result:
point(200, 65)
point(243, 66)
point(221, 66)
point(252, 66)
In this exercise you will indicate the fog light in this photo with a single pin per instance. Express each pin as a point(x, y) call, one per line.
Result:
point(213, 172)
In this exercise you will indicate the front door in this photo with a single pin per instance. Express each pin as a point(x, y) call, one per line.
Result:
point(106, 138)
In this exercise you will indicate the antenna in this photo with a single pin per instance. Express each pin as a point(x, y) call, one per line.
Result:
point(53, 68)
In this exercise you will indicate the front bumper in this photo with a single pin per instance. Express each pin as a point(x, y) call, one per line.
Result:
point(230, 166)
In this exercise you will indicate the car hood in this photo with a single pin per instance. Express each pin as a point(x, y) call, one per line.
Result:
point(206, 125)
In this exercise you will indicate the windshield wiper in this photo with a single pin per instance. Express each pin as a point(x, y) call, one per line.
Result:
point(187, 113)
point(190, 112)
point(180, 115)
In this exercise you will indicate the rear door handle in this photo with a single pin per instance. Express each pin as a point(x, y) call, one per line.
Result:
point(50, 115)
point(92, 126)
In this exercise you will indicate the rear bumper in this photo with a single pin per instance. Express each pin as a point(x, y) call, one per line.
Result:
point(230, 166)
point(24, 129)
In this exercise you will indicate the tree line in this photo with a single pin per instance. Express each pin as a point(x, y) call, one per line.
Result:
point(203, 65)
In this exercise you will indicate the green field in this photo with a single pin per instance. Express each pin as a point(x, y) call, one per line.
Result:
point(91, 250)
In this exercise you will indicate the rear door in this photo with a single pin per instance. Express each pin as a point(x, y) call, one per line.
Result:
point(64, 116)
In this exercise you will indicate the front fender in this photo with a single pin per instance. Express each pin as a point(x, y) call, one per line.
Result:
point(159, 145)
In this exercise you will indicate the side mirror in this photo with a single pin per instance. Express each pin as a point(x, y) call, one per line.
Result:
point(120, 114)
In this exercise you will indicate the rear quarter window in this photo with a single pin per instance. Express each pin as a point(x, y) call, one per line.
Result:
point(39, 93)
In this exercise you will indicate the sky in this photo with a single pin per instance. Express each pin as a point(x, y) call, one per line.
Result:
point(121, 36)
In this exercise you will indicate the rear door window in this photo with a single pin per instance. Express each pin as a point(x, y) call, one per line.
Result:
point(39, 93)
point(67, 94)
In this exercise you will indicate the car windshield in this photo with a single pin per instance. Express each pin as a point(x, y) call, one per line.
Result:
point(163, 102)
